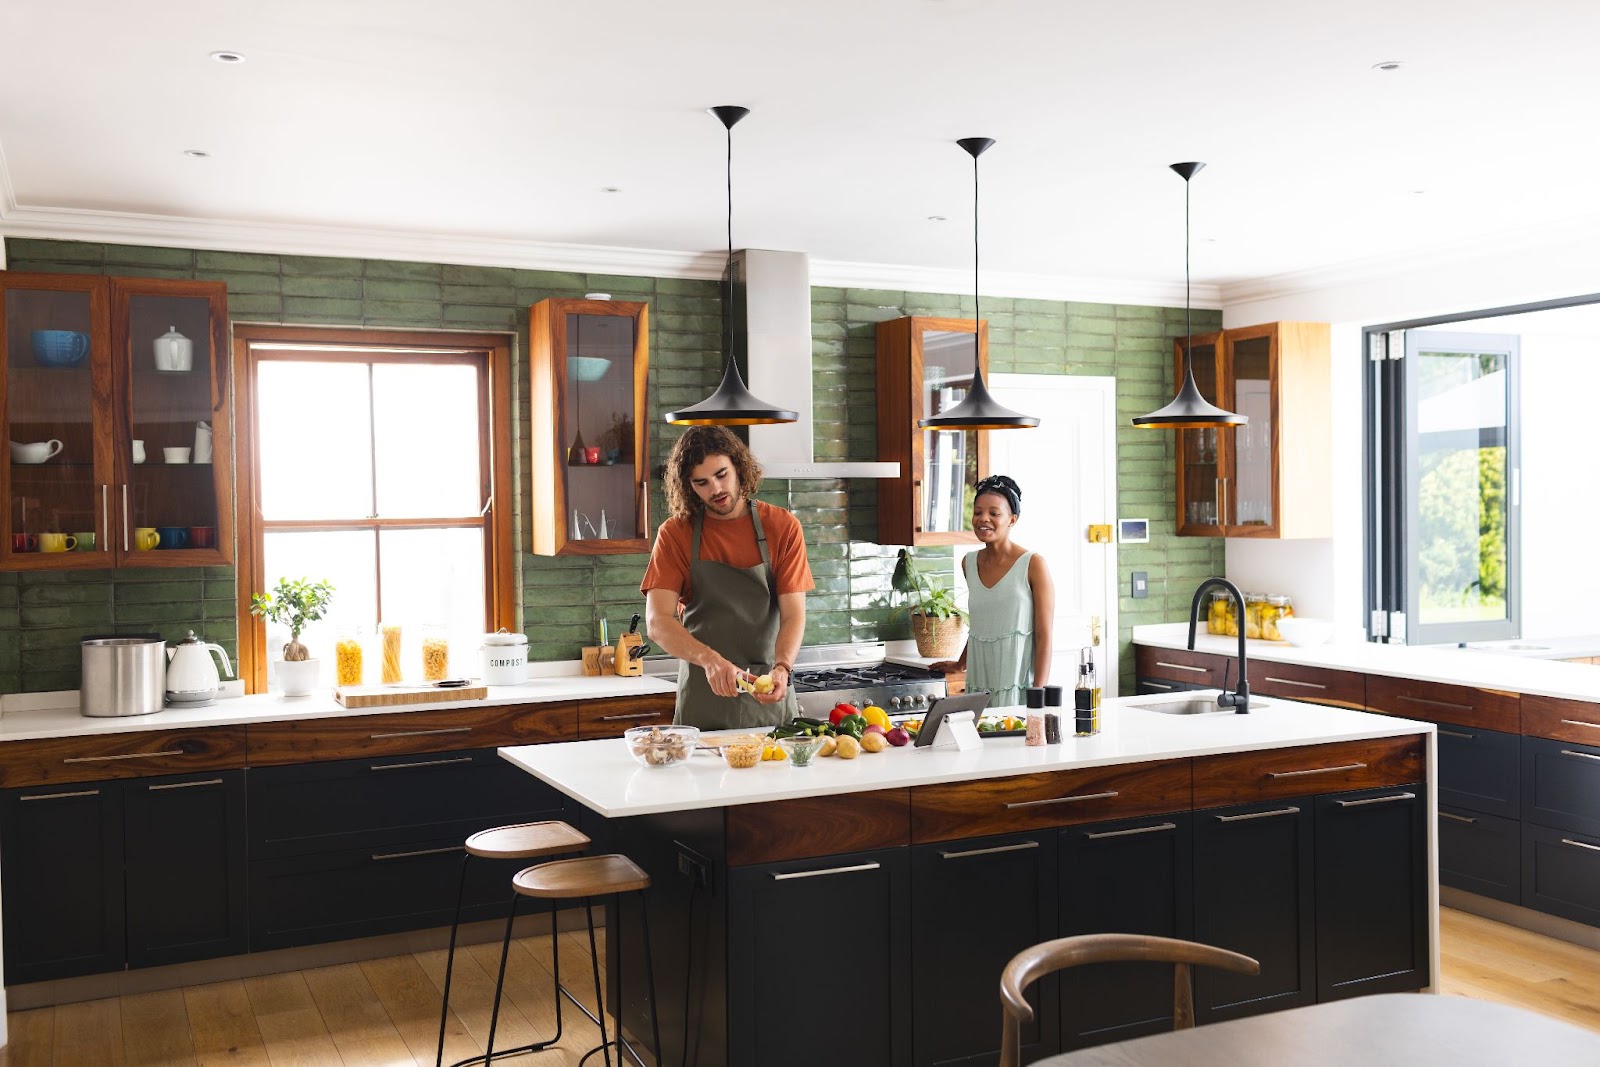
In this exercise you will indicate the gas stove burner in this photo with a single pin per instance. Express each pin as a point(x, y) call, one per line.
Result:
point(892, 686)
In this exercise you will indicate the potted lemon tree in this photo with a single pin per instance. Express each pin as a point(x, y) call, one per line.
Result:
point(295, 604)
point(938, 624)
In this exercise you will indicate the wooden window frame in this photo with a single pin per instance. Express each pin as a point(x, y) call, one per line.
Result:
point(324, 344)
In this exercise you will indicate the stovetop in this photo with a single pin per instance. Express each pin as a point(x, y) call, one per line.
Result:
point(886, 674)
point(857, 674)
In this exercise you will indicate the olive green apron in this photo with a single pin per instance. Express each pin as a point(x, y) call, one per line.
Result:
point(734, 610)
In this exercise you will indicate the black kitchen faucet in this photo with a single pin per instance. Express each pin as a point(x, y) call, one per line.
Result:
point(1239, 699)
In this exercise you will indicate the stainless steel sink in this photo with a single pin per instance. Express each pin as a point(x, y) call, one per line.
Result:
point(1195, 706)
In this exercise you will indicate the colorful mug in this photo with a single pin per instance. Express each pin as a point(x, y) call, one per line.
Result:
point(85, 541)
point(57, 542)
point(24, 542)
point(202, 537)
point(145, 538)
point(173, 536)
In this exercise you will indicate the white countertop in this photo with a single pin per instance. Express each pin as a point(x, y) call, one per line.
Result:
point(28, 717)
point(1428, 663)
point(605, 777)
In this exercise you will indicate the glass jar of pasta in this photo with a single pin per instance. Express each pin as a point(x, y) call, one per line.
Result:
point(435, 654)
point(347, 658)
point(392, 670)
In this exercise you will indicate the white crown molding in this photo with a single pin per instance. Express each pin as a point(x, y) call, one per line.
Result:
point(958, 281)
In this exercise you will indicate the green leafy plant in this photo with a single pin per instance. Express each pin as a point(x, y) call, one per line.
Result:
point(931, 601)
point(295, 603)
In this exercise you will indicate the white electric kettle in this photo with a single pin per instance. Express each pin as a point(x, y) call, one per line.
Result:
point(191, 676)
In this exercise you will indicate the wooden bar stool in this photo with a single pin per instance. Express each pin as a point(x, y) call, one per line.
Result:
point(585, 878)
point(521, 841)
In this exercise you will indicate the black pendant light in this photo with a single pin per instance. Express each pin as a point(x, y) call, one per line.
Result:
point(732, 404)
point(1188, 410)
point(977, 410)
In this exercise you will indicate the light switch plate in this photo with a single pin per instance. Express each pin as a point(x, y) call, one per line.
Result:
point(1100, 533)
point(1141, 585)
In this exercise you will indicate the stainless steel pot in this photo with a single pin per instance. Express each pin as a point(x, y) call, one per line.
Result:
point(123, 675)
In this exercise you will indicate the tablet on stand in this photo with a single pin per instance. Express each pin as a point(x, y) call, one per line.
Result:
point(952, 722)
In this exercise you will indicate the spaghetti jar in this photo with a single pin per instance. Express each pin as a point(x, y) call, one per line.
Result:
point(392, 671)
point(435, 654)
point(347, 658)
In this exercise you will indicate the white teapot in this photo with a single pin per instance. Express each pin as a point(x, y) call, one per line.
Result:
point(192, 679)
point(174, 351)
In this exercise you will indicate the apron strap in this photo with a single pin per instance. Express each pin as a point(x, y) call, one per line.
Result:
point(761, 538)
point(694, 543)
point(697, 524)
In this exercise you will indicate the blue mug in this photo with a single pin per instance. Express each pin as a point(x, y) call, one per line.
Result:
point(60, 348)
point(173, 536)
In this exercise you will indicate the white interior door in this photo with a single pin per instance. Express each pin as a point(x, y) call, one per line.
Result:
point(1067, 470)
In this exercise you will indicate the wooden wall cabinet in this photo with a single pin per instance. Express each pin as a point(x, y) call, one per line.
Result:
point(587, 378)
point(1269, 478)
point(79, 366)
point(925, 367)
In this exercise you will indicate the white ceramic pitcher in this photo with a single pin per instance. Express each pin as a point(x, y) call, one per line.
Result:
point(202, 442)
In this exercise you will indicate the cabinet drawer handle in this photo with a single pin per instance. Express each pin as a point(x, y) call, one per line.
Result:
point(62, 796)
point(1061, 800)
point(1154, 685)
point(105, 516)
point(1580, 755)
point(1021, 846)
point(1375, 800)
point(379, 857)
point(422, 733)
point(1183, 667)
point(831, 870)
point(1580, 722)
point(631, 716)
point(1435, 703)
point(1318, 770)
point(1258, 815)
point(1292, 681)
point(1157, 828)
point(419, 763)
point(1580, 844)
point(124, 755)
point(183, 785)
point(1457, 734)
point(1457, 818)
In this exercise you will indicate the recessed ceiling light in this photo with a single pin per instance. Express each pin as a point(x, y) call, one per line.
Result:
point(197, 153)
point(611, 189)
point(228, 57)
point(937, 218)
point(1419, 192)
point(1388, 64)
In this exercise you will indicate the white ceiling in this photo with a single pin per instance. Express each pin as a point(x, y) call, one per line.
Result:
point(484, 131)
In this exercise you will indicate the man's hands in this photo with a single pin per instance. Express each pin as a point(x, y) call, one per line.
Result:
point(780, 687)
point(723, 676)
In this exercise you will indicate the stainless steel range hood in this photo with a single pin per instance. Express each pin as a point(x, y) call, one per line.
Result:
point(772, 318)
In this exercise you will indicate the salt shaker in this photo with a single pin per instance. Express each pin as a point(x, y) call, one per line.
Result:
point(1035, 730)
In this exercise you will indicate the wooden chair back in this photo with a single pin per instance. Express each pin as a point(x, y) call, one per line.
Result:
point(1031, 964)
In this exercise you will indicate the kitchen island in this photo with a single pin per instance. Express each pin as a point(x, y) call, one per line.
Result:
point(860, 912)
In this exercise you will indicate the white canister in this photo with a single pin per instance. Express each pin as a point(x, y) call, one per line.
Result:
point(504, 658)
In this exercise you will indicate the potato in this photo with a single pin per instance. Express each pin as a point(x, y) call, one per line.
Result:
point(847, 747)
point(828, 746)
point(764, 684)
point(874, 742)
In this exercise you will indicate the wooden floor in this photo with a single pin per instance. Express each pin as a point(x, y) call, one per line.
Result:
point(386, 1012)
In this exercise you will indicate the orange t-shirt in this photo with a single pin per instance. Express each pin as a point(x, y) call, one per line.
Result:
point(731, 541)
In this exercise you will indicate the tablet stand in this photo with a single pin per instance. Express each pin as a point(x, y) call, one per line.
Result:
point(958, 730)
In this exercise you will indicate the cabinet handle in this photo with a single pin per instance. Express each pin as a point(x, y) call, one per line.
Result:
point(1021, 846)
point(125, 545)
point(1157, 828)
point(421, 763)
point(1457, 818)
point(1317, 770)
point(105, 516)
point(422, 733)
point(379, 857)
point(1184, 667)
point(125, 755)
point(1580, 755)
point(631, 716)
point(1580, 844)
point(831, 870)
point(1222, 501)
point(1425, 702)
point(1580, 722)
point(1292, 681)
point(1061, 800)
point(1456, 734)
point(183, 785)
point(1154, 685)
point(1375, 800)
point(62, 796)
point(1258, 815)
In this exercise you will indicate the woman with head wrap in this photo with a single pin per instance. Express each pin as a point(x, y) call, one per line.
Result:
point(1010, 601)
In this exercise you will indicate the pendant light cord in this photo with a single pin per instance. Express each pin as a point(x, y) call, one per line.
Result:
point(1188, 304)
point(977, 317)
point(727, 269)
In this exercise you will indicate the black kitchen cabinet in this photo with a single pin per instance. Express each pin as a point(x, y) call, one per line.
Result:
point(975, 904)
point(1254, 892)
point(99, 876)
point(1480, 853)
point(1371, 892)
point(1561, 873)
point(1134, 876)
point(819, 961)
point(1479, 770)
point(1561, 784)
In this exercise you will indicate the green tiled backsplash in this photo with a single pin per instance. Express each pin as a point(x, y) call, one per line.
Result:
point(42, 616)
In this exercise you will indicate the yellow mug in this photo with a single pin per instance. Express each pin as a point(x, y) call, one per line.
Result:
point(57, 542)
point(145, 538)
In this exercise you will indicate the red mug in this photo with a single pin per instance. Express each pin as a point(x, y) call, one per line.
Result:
point(24, 542)
point(202, 537)
point(591, 454)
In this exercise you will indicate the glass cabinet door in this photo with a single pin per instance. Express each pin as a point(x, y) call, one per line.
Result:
point(56, 404)
point(1250, 361)
point(171, 502)
point(949, 467)
point(1202, 452)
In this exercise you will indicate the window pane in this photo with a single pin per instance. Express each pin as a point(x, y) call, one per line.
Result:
point(348, 560)
point(949, 457)
point(427, 440)
point(315, 444)
point(435, 578)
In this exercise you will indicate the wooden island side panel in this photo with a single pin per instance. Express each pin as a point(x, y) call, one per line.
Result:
point(402, 733)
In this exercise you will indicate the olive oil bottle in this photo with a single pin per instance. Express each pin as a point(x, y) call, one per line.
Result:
point(1086, 697)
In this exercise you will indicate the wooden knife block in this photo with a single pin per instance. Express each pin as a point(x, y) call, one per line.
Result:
point(626, 665)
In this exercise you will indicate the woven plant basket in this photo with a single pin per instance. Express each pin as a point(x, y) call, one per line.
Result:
point(938, 638)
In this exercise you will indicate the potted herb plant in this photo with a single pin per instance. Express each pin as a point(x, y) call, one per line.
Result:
point(937, 622)
point(295, 603)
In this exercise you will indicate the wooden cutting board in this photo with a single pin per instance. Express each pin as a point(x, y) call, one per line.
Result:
point(381, 696)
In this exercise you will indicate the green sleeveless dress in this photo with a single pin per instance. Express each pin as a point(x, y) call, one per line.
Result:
point(1000, 634)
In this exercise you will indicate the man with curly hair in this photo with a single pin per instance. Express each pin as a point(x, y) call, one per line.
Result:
point(726, 586)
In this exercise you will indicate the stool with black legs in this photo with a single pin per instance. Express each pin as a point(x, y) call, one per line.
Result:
point(522, 841)
point(586, 878)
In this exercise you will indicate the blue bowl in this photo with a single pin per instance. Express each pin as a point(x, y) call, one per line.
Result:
point(60, 348)
point(587, 368)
